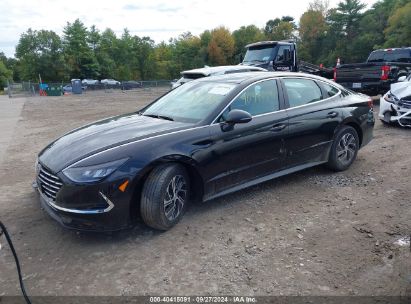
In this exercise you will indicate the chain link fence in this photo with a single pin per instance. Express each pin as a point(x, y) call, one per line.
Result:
point(28, 88)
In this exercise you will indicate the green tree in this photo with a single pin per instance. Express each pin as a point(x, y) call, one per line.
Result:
point(80, 59)
point(280, 29)
point(106, 54)
point(40, 52)
point(143, 57)
point(344, 23)
point(398, 32)
point(243, 36)
point(187, 53)
point(5, 75)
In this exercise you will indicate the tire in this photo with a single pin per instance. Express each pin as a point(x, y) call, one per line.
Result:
point(166, 187)
point(344, 149)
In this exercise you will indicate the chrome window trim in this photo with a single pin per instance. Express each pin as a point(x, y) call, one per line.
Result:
point(313, 79)
point(279, 78)
point(234, 98)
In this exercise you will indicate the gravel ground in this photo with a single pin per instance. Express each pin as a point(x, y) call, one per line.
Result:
point(310, 233)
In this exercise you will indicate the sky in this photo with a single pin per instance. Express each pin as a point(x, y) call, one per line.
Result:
point(158, 19)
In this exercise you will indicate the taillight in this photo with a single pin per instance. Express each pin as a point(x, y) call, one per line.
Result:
point(371, 104)
point(335, 74)
point(385, 70)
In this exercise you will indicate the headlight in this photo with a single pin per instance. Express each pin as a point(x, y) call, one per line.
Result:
point(92, 173)
point(390, 97)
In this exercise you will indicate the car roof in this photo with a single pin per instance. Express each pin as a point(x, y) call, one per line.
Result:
point(391, 49)
point(255, 76)
point(261, 43)
point(207, 71)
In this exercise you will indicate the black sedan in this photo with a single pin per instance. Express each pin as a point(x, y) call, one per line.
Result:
point(202, 140)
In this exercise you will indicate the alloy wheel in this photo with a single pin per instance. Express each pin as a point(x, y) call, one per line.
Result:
point(175, 198)
point(346, 148)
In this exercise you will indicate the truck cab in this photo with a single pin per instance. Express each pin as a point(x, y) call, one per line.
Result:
point(272, 55)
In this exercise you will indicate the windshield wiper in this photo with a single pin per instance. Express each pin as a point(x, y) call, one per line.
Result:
point(159, 116)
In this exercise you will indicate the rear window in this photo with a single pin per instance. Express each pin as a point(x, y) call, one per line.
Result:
point(330, 91)
point(402, 55)
point(301, 91)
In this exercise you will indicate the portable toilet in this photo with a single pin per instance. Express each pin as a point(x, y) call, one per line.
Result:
point(76, 86)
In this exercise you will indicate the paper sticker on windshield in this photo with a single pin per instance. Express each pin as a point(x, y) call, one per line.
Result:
point(220, 90)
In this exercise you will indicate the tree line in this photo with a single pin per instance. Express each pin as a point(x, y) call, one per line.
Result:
point(323, 34)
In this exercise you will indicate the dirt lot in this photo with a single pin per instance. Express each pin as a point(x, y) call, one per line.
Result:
point(310, 233)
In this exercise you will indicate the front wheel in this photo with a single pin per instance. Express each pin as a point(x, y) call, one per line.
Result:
point(344, 149)
point(165, 196)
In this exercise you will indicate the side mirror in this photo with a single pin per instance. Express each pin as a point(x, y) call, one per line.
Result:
point(402, 78)
point(238, 116)
point(235, 117)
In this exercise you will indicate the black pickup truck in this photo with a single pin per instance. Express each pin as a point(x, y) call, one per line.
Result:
point(374, 76)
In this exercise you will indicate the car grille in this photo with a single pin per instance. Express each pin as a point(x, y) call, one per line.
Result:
point(49, 184)
point(405, 103)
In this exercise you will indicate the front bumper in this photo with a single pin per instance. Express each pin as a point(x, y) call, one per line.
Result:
point(390, 112)
point(97, 207)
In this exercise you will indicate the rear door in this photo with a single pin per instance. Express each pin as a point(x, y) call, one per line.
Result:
point(250, 150)
point(314, 113)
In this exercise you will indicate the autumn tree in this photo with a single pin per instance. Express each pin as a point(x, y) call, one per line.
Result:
point(221, 47)
point(312, 30)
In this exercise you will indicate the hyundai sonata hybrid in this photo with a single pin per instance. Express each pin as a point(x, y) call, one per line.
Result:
point(207, 138)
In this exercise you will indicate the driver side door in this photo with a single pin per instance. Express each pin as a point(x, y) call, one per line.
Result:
point(250, 150)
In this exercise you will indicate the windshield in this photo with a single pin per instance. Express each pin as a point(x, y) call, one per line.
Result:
point(262, 53)
point(191, 102)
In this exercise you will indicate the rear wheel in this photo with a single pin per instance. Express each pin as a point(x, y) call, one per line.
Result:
point(165, 196)
point(344, 149)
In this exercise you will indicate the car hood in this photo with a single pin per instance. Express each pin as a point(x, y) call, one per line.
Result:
point(401, 90)
point(101, 135)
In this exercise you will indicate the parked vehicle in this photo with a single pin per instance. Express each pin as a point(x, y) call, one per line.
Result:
point(90, 82)
point(213, 71)
point(395, 105)
point(129, 85)
point(382, 68)
point(67, 88)
point(110, 82)
point(280, 56)
point(207, 138)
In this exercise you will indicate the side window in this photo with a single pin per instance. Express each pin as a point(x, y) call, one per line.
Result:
point(280, 54)
point(301, 91)
point(259, 98)
point(330, 91)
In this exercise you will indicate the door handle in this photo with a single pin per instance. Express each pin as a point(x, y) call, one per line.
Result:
point(332, 115)
point(278, 127)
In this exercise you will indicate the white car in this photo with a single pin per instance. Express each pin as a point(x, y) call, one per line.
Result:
point(395, 105)
point(89, 81)
point(110, 82)
point(212, 71)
